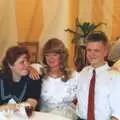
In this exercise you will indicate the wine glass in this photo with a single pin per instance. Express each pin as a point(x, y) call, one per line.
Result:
point(29, 111)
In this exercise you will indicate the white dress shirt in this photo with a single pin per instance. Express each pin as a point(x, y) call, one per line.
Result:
point(107, 93)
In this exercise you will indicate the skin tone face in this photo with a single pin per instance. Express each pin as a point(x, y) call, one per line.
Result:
point(96, 52)
point(20, 67)
point(53, 60)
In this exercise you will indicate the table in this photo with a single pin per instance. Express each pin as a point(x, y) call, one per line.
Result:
point(46, 116)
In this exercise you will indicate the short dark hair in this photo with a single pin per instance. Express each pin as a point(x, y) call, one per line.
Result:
point(12, 54)
point(97, 37)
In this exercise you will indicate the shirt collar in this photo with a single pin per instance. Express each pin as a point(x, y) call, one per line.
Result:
point(101, 68)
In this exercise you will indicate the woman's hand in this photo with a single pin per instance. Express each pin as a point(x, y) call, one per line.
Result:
point(33, 73)
point(8, 107)
point(31, 103)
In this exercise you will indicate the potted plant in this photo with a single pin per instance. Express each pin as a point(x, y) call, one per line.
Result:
point(83, 30)
point(79, 38)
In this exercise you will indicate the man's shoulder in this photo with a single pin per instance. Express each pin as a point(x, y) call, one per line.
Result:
point(85, 71)
point(114, 72)
point(86, 68)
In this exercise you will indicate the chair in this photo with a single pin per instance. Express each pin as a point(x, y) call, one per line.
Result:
point(33, 48)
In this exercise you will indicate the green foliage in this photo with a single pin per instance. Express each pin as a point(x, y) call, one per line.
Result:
point(83, 30)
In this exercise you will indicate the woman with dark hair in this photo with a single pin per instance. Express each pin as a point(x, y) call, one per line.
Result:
point(15, 85)
point(59, 82)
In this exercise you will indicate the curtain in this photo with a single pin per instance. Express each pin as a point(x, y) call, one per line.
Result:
point(40, 20)
point(8, 32)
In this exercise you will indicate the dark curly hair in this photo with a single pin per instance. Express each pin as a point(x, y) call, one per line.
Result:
point(12, 54)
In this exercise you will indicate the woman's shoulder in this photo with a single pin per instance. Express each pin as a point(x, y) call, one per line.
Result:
point(3, 75)
point(30, 80)
point(73, 78)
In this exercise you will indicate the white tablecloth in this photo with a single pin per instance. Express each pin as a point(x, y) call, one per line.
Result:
point(46, 116)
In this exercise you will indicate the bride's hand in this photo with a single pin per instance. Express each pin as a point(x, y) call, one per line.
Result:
point(31, 103)
point(33, 73)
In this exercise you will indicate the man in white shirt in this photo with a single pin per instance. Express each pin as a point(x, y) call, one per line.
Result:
point(106, 95)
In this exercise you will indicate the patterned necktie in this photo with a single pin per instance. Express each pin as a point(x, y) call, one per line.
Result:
point(90, 114)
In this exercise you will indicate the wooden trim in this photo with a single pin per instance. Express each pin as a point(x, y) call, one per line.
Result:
point(33, 48)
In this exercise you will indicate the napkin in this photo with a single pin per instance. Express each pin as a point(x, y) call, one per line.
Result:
point(18, 114)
